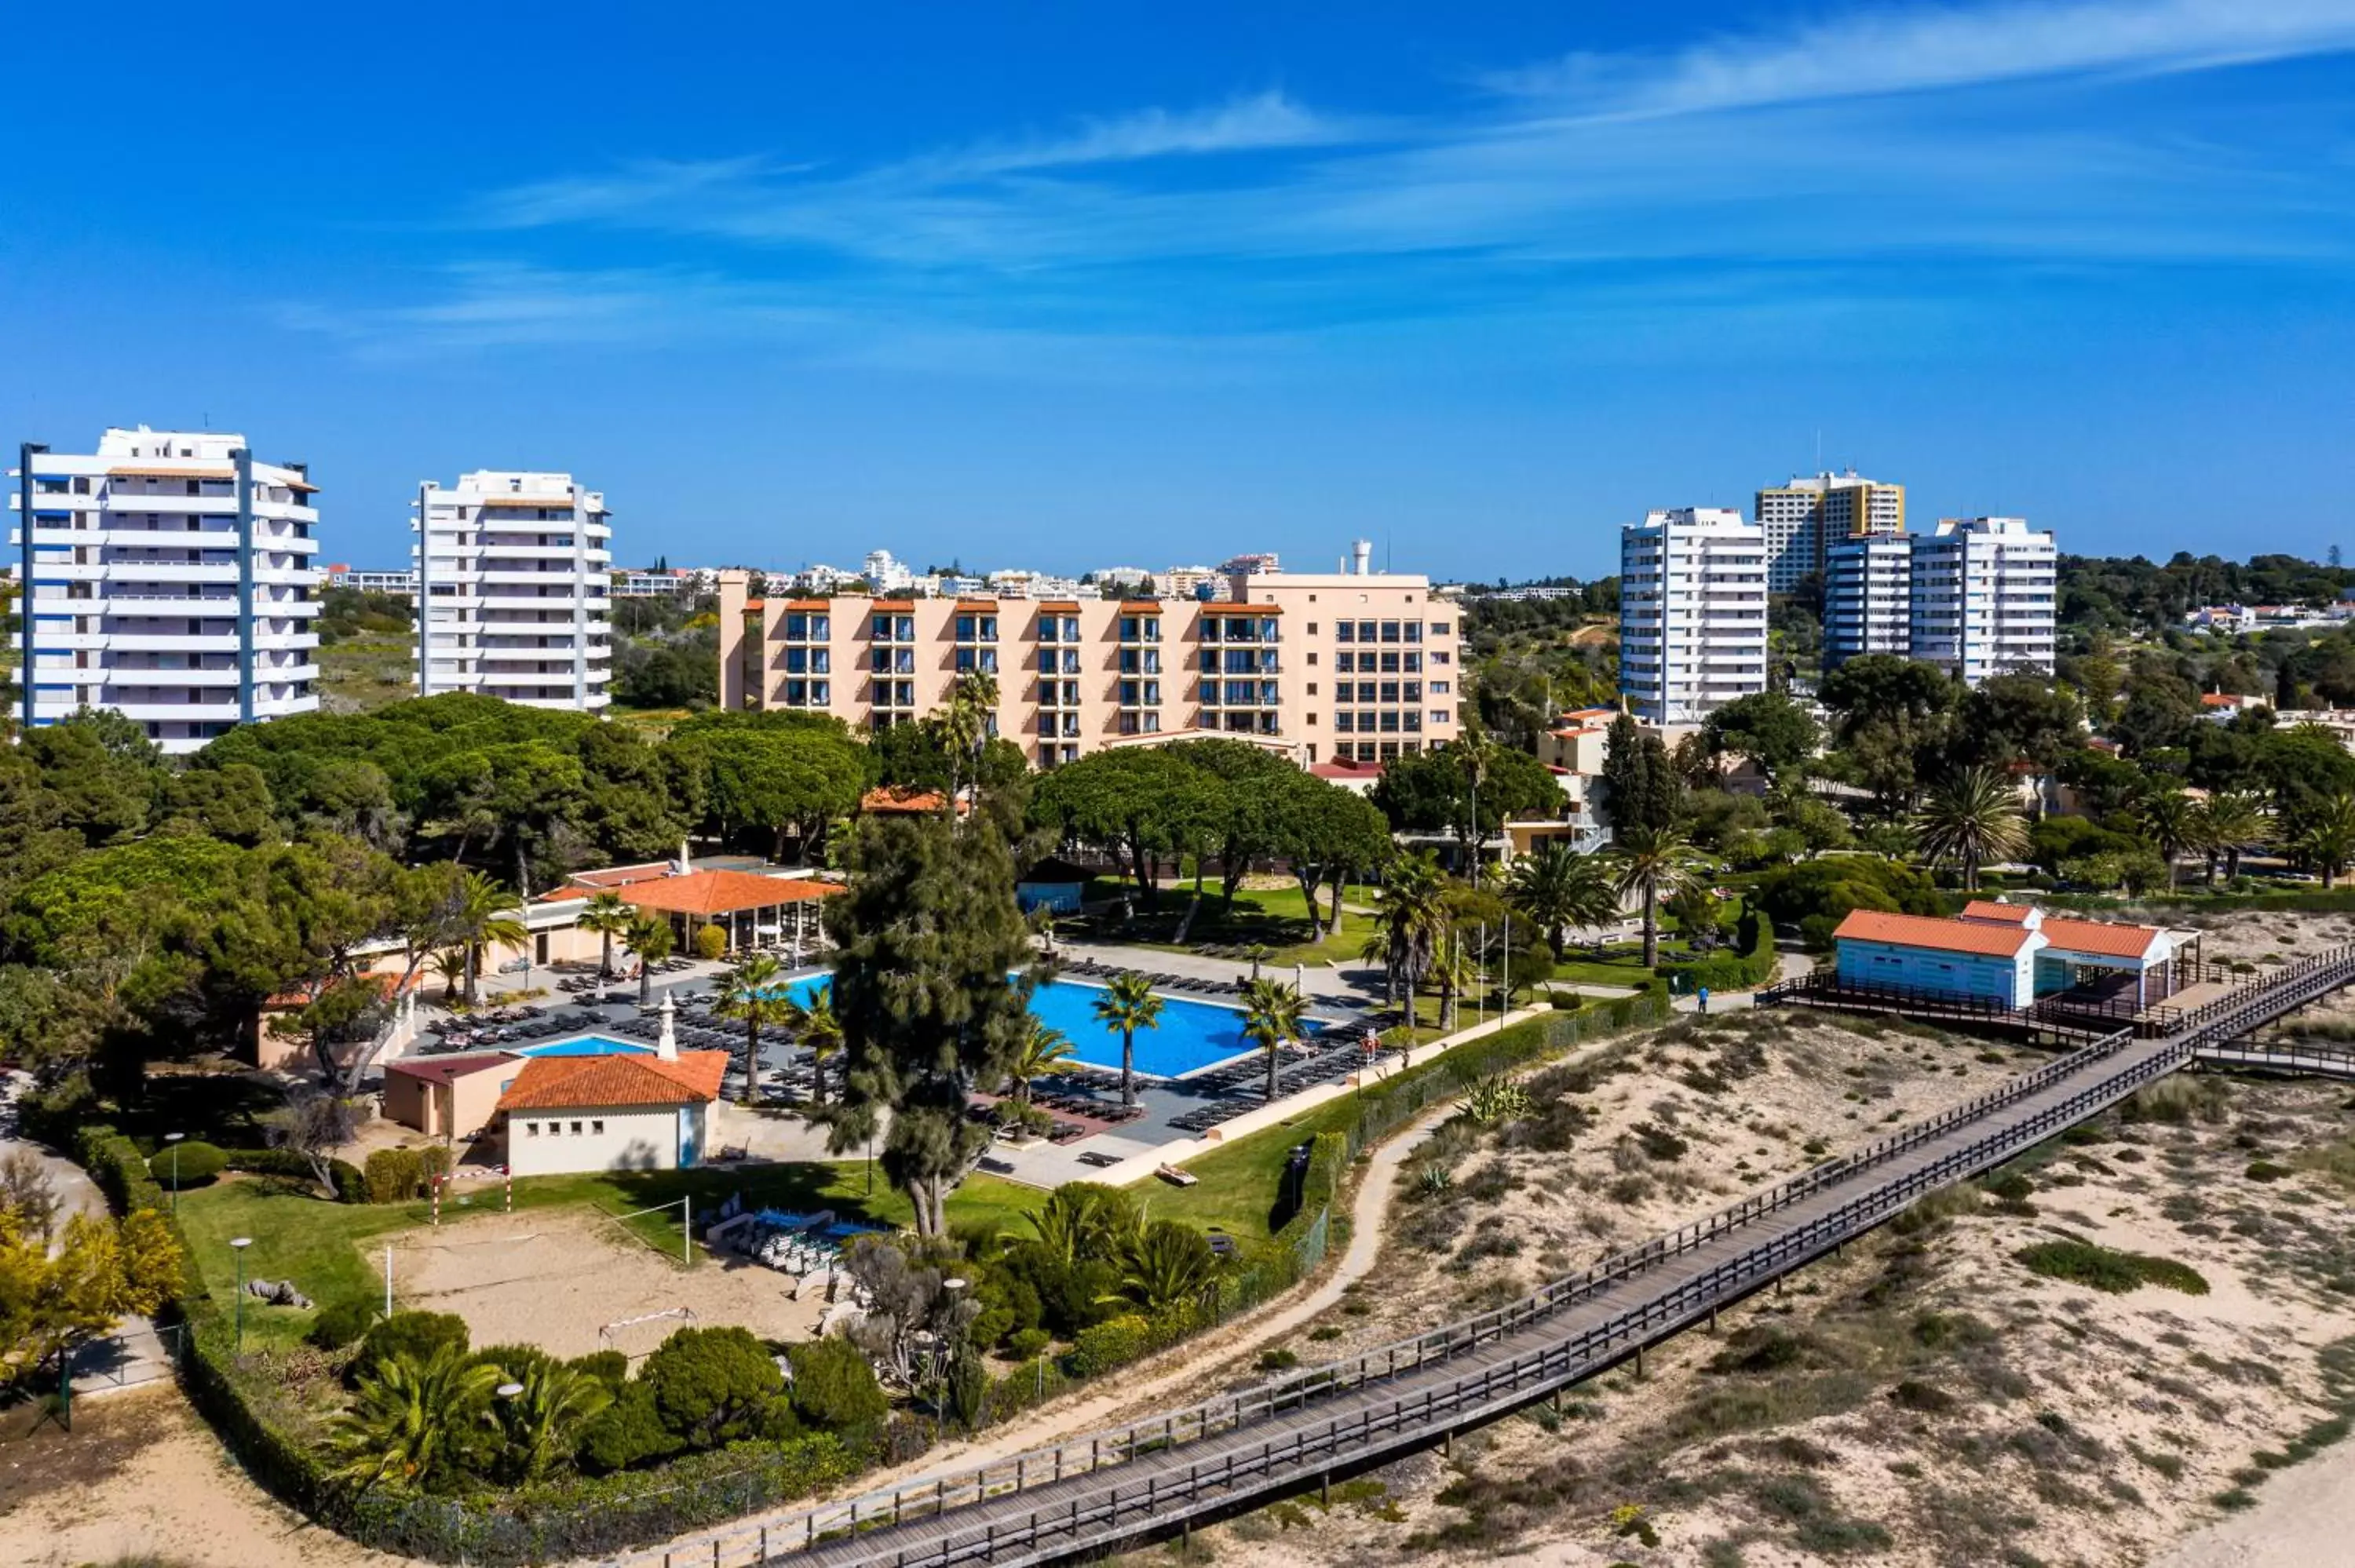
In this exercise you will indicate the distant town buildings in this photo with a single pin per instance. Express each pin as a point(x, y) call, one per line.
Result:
point(1692, 612)
point(1976, 598)
point(402, 583)
point(1804, 518)
point(514, 577)
point(2236, 619)
point(1349, 666)
point(167, 576)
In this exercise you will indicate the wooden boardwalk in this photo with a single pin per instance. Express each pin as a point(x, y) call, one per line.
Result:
point(1159, 1477)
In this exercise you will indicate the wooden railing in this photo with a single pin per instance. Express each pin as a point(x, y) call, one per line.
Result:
point(1090, 1492)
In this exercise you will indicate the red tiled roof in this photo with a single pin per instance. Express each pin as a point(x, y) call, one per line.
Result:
point(722, 892)
point(1347, 769)
point(552, 1083)
point(2100, 936)
point(450, 1069)
point(1992, 940)
point(607, 879)
point(1986, 910)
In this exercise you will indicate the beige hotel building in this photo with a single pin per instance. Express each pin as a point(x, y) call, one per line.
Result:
point(1353, 666)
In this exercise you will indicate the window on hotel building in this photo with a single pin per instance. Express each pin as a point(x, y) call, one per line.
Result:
point(1344, 632)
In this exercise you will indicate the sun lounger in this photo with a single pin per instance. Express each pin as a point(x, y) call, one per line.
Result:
point(1177, 1175)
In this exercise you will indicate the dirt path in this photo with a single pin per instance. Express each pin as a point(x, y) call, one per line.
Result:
point(1188, 1368)
point(142, 1477)
point(2304, 1516)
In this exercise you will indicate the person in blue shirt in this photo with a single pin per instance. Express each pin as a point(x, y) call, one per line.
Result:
point(1703, 994)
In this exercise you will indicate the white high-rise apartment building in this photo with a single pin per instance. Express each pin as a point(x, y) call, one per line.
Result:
point(167, 576)
point(1804, 518)
point(1869, 598)
point(1692, 612)
point(1983, 598)
point(887, 575)
point(514, 580)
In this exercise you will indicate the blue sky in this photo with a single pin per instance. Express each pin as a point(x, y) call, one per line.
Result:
point(1124, 283)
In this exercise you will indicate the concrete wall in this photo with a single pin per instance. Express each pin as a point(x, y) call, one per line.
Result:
point(633, 1138)
point(2007, 980)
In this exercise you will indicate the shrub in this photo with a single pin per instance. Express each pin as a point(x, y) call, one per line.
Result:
point(712, 1386)
point(393, 1175)
point(195, 1162)
point(611, 1368)
point(350, 1185)
point(1114, 1342)
point(710, 942)
point(1028, 1344)
point(834, 1386)
point(414, 1334)
point(2105, 1268)
point(626, 1433)
point(1278, 1361)
point(341, 1323)
point(2267, 1170)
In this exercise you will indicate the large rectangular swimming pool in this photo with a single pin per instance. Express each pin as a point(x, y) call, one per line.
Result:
point(1192, 1035)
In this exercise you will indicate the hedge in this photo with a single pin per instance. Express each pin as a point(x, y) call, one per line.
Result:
point(350, 1188)
point(1756, 964)
point(399, 1175)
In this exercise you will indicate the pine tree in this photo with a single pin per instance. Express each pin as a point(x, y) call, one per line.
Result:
point(927, 937)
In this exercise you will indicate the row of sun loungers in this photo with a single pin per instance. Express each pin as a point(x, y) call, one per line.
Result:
point(1193, 985)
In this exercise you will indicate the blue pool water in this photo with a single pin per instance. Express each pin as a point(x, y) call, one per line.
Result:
point(1192, 1035)
point(587, 1045)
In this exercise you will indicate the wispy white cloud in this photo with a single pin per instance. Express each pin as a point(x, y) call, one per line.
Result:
point(1863, 52)
point(1261, 122)
point(1809, 149)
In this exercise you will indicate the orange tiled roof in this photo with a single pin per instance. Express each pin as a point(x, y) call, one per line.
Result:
point(1989, 939)
point(1059, 606)
point(386, 985)
point(885, 799)
point(721, 892)
point(1986, 910)
point(2100, 936)
point(560, 1083)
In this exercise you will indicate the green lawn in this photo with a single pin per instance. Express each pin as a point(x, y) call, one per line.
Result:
point(1275, 919)
point(1237, 1184)
point(325, 1247)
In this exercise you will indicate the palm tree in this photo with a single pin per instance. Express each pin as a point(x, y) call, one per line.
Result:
point(2168, 818)
point(2232, 821)
point(1457, 971)
point(1126, 1006)
point(412, 1420)
point(1558, 890)
point(1270, 1017)
point(482, 918)
point(1260, 952)
point(1081, 1221)
point(1042, 1051)
point(1475, 753)
point(1408, 913)
point(965, 725)
point(449, 964)
point(754, 991)
point(608, 917)
point(1972, 818)
point(2325, 836)
point(1656, 863)
point(811, 1022)
point(1164, 1267)
point(650, 937)
point(542, 1421)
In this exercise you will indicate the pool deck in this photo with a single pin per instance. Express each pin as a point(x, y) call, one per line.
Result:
point(1116, 1153)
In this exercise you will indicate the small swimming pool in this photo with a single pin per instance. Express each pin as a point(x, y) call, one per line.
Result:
point(586, 1045)
point(1193, 1035)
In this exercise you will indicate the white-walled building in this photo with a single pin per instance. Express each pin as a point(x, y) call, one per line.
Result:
point(1806, 518)
point(886, 574)
point(1692, 612)
point(402, 583)
point(1982, 597)
point(167, 576)
point(1867, 598)
point(513, 578)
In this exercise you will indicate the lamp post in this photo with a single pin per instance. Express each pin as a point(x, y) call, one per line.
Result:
point(237, 1245)
point(173, 1140)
